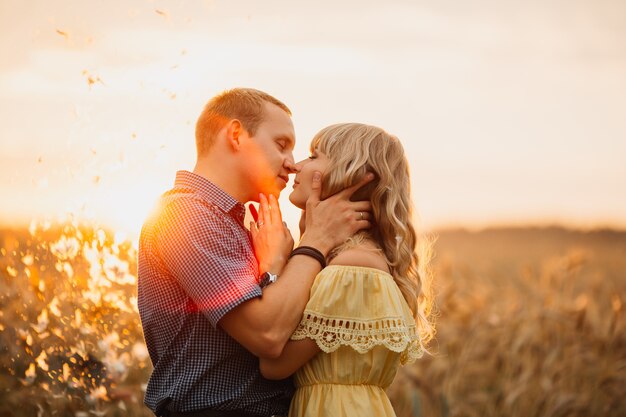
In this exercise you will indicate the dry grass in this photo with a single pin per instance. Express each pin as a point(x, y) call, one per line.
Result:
point(71, 339)
point(531, 323)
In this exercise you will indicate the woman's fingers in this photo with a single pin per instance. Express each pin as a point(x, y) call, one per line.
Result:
point(264, 211)
point(253, 212)
point(269, 210)
point(275, 213)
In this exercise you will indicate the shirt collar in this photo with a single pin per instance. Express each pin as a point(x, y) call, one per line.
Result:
point(211, 192)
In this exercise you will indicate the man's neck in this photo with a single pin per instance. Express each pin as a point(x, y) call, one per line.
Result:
point(225, 177)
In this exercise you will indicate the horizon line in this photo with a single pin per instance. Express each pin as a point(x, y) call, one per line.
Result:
point(439, 228)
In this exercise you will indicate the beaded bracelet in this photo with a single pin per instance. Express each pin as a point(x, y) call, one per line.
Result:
point(310, 251)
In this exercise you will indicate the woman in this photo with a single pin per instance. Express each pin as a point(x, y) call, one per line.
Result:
point(369, 308)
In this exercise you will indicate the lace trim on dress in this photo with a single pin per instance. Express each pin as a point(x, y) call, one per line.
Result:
point(362, 335)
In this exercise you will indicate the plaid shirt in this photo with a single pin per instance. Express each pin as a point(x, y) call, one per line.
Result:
point(196, 263)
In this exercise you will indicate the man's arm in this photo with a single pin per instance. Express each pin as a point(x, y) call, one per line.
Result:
point(297, 352)
point(263, 325)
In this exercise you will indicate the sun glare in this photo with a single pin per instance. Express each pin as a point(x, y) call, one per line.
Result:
point(127, 207)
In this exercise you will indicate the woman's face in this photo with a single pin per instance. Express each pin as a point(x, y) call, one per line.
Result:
point(318, 161)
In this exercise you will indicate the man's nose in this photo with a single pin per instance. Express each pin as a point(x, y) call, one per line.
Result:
point(291, 166)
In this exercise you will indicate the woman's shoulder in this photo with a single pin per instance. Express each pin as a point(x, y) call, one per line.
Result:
point(364, 254)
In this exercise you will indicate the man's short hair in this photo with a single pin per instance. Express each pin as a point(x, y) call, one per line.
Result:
point(243, 104)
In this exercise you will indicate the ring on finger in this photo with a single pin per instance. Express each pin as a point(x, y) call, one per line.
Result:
point(361, 214)
point(260, 223)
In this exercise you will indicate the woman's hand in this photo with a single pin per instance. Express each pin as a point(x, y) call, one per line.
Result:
point(271, 238)
point(330, 222)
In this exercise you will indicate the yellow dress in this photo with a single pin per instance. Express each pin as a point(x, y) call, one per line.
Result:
point(365, 329)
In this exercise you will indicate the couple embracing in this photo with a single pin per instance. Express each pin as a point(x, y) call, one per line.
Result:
point(238, 321)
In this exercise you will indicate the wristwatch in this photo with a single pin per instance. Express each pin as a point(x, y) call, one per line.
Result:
point(266, 279)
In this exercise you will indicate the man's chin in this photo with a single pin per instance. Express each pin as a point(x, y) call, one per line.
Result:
point(275, 190)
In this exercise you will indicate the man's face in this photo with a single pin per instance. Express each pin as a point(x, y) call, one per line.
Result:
point(270, 153)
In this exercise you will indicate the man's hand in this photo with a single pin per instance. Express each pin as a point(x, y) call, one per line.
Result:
point(271, 238)
point(330, 222)
point(302, 222)
point(263, 325)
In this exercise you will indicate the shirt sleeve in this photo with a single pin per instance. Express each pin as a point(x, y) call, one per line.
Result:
point(200, 248)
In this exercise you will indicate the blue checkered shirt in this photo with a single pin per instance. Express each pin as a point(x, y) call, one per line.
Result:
point(196, 263)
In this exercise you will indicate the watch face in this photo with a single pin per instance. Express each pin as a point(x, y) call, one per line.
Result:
point(266, 279)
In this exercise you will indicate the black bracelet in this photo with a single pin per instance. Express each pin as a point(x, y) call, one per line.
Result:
point(310, 251)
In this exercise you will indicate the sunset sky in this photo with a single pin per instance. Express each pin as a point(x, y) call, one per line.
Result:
point(511, 112)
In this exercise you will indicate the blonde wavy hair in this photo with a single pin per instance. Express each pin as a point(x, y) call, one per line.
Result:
point(353, 149)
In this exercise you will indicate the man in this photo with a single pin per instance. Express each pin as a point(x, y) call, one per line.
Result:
point(205, 317)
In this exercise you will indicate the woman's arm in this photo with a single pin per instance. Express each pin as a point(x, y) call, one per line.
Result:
point(295, 354)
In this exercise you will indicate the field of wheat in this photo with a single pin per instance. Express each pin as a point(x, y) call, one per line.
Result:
point(530, 323)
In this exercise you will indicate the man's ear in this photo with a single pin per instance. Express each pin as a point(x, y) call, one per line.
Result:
point(234, 130)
